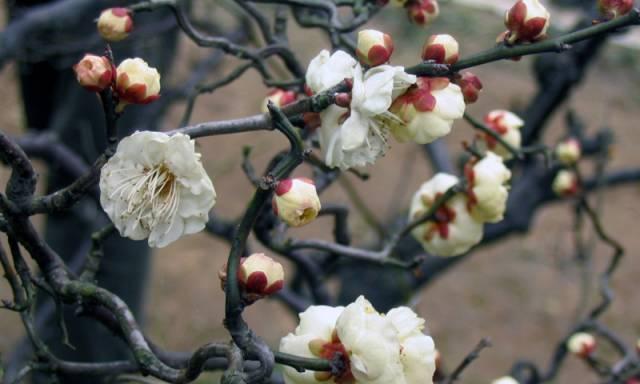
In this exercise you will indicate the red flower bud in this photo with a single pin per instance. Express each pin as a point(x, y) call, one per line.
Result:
point(94, 73)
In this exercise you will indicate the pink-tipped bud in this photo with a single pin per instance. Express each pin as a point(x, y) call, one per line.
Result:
point(527, 21)
point(296, 201)
point(568, 151)
point(279, 97)
point(374, 47)
point(94, 73)
point(422, 12)
point(506, 124)
point(261, 275)
point(565, 183)
point(137, 82)
point(614, 8)
point(114, 24)
point(581, 344)
point(470, 85)
point(442, 49)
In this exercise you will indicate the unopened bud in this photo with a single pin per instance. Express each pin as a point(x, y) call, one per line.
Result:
point(279, 97)
point(259, 274)
point(614, 8)
point(114, 24)
point(94, 73)
point(137, 82)
point(565, 183)
point(527, 21)
point(568, 152)
point(581, 344)
point(374, 47)
point(506, 124)
point(442, 49)
point(296, 201)
point(470, 85)
point(422, 12)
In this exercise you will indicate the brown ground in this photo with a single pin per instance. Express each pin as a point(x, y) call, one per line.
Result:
point(522, 293)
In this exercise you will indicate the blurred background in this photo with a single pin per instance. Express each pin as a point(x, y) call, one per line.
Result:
point(523, 293)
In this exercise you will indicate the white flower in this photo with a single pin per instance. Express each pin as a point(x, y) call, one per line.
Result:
point(456, 231)
point(427, 110)
point(526, 21)
point(417, 350)
point(507, 125)
point(376, 349)
point(296, 201)
point(505, 380)
point(372, 343)
point(568, 151)
point(358, 136)
point(487, 190)
point(326, 70)
point(155, 187)
point(581, 344)
point(316, 330)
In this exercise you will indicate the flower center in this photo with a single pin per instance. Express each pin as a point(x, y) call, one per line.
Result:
point(334, 351)
point(152, 196)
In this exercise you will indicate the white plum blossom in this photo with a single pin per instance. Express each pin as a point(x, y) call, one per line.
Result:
point(427, 110)
point(326, 70)
point(455, 231)
point(356, 136)
point(487, 188)
point(375, 348)
point(155, 187)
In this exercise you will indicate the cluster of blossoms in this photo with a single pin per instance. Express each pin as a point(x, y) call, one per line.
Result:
point(567, 154)
point(384, 99)
point(374, 348)
point(457, 223)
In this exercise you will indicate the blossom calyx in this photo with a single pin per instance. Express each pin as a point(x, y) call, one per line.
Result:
point(137, 82)
point(442, 49)
point(487, 189)
point(507, 125)
point(279, 97)
point(296, 201)
point(614, 8)
point(422, 12)
point(470, 85)
point(565, 183)
point(581, 344)
point(455, 231)
point(568, 151)
point(94, 73)
point(374, 47)
point(114, 24)
point(526, 21)
point(260, 275)
point(427, 110)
